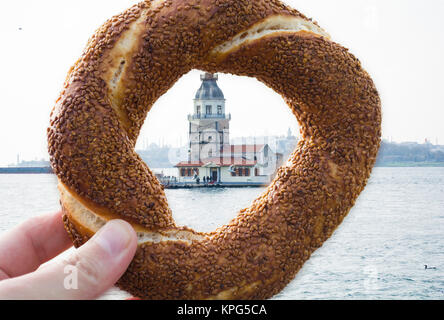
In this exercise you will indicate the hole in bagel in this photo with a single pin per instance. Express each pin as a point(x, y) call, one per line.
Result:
point(259, 116)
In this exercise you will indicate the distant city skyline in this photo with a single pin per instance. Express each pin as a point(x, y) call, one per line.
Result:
point(46, 37)
point(235, 140)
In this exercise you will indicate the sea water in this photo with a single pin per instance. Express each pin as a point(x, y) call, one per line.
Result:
point(378, 252)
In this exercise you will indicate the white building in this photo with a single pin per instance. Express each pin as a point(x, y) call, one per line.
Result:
point(211, 157)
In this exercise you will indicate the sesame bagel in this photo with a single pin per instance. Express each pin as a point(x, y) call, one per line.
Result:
point(136, 57)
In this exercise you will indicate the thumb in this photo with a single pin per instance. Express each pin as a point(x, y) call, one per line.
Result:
point(85, 274)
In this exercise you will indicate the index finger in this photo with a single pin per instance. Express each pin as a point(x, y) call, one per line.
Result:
point(37, 240)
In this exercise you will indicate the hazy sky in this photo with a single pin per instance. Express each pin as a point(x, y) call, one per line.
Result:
point(400, 43)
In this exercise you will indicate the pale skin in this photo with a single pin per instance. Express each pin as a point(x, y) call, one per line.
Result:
point(98, 264)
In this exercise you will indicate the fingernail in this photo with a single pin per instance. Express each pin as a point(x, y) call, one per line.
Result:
point(114, 237)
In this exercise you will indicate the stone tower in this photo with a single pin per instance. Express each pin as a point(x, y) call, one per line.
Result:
point(209, 124)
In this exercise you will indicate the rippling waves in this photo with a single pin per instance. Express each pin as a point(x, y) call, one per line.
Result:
point(378, 252)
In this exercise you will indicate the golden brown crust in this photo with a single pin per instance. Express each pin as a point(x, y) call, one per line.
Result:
point(95, 124)
point(78, 238)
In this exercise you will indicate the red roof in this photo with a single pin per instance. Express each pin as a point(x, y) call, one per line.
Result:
point(226, 160)
point(218, 161)
point(190, 164)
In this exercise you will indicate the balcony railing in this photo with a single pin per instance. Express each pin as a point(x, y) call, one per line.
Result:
point(209, 116)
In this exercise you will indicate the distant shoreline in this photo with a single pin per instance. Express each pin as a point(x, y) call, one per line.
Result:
point(410, 165)
point(25, 170)
point(48, 170)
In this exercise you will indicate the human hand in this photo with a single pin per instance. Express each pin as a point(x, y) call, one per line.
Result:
point(98, 264)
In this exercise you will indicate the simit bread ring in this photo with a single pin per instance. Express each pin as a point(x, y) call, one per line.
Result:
point(136, 57)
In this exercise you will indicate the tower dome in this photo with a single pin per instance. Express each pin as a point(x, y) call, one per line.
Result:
point(209, 90)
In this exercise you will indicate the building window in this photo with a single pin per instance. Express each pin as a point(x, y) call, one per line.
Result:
point(208, 108)
point(256, 172)
point(198, 110)
point(189, 172)
point(210, 153)
point(219, 109)
point(210, 138)
point(241, 172)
